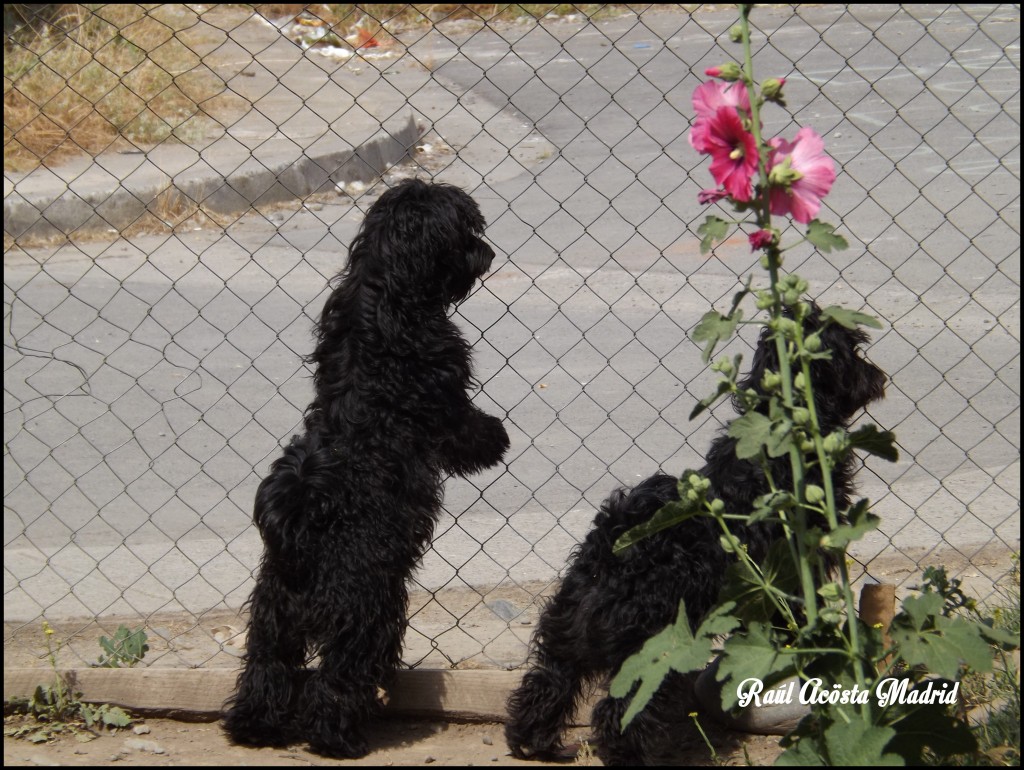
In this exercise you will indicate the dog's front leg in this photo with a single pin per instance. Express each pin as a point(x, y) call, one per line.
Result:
point(473, 441)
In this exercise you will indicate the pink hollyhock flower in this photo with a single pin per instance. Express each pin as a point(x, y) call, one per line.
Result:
point(708, 98)
point(760, 239)
point(733, 152)
point(800, 175)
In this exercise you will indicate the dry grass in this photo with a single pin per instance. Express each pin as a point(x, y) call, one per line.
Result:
point(77, 81)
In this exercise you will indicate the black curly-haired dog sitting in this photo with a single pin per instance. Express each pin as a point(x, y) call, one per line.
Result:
point(608, 605)
point(348, 510)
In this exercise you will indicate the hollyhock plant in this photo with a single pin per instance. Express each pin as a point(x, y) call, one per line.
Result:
point(794, 612)
point(800, 175)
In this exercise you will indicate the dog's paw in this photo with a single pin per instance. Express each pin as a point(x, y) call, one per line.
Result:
point(258, 733)
point(351, 745)
point(496, 437)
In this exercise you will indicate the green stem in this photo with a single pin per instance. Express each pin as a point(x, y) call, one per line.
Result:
point(825, 463)
point(773, 257)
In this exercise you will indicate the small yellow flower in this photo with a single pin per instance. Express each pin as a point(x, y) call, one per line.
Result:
point(693, 714)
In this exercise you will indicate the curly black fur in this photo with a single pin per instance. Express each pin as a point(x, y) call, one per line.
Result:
point(348, 510)
point(608, 605)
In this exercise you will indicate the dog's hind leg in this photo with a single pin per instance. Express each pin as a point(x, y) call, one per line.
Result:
point(262, 710)
point(658, 735)
point(362, 630)
point(549, 693)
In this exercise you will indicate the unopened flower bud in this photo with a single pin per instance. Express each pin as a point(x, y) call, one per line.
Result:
point(736, 33)
point(814, 493)
point(771, 381)
point(729, 72)
point(835, 442)
point(771, 89)
point(813, 342)
point(723, 365)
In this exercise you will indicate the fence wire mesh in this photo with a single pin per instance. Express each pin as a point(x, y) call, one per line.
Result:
point(180, 182)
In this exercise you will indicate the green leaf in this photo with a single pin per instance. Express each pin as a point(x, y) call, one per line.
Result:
point(112, 716)
point(859, 744)
point(675, 648)
point(751, 431)
point(860, 522)
point(737, 298)
point(850, 318)
point(823, 235)
point(713, 328)
point(127, 647)
point(780, 440)
point(879, 443)
point(668, 515)
point(803, 753)
point(920, 609)
point(714, 229)
point(751, 655)
point(831, 592)
point(751, 591)
point(928, 725)
point(999, 637)
point(691, 503)
point(940, 644)
point(724, 386)
point(771, 503)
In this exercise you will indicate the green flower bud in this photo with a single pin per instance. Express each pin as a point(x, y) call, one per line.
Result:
point(836, 443)
point(771, 381)
point(729, 72)
point(813, 343)
point(736, 33)
point(771, 89)
point(723, 365)
point(814, 494)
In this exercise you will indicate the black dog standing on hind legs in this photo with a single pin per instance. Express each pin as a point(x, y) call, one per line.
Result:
point(608, 605)
point(348, 510)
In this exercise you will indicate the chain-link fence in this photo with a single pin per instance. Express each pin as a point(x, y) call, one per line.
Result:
point(180, 182)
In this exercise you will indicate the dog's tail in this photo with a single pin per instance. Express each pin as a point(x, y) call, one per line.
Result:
point(292, 502)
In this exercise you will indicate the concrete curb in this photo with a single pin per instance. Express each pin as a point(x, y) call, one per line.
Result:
point(48, 214)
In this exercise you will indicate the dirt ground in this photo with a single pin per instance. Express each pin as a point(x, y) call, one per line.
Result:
point(158, 742)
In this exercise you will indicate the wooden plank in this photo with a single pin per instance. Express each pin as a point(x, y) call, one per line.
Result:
point(464, 694)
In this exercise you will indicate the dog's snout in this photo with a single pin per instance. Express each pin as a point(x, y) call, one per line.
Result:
point(485, 256)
